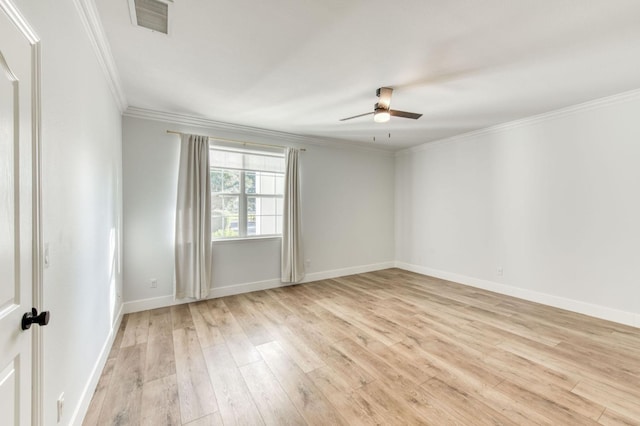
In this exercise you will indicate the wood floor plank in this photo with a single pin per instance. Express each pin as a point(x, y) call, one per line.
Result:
point(210, 420)
point(197, 398)
point(393, 408)
point(301, 354)
point(117, 341)
point(309, 401)
point(160, 323)
point(331, 327)
point(374, 365)
point(611, 396)
point(160, 354)
point(352, 407)
point(122, 402)
point(242, 349)
point(271, 306)
point(137, 329)
point(181, 316)
point(456, 360)
point(611, 418)
point(601, 359)
point(508, 405)
point(382, 332)
point(627, 336)
point(559, 360)
point(251, 320)
point(384, 347)
point(234, 399)
point(208, 332)
point(517, 368)
point(549, 408)
point(223, 317)
point(458, 406)
point(274, 320)
point(93, 412)
point(160, 402)
point(551, 384)
point(406, 362)
point(332, 356)
point(273, 403)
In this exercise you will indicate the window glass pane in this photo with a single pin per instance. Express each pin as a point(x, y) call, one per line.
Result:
point(280, 184)
point(225, 216)
point(251, 225)
point(225, 181)
point(265, 217)
point(265, 225)
point(231, 181)
point(216, 180)
point(216, 204)
point(250, 182)
point(268, 183)
point(268, 206)
point(264, 183)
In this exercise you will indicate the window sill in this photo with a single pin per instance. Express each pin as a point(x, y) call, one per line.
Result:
point(246, 239)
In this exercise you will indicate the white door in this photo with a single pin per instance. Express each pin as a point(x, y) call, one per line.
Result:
point(16, 272)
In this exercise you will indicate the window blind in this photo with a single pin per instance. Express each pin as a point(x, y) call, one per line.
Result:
point(238, 159)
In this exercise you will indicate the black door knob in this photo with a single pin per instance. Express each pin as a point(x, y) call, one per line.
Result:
point(34, 318)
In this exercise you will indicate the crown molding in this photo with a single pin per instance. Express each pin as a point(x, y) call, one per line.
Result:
point(15, 16)
point(534, 119)
point(91, 21)
point(249, 133)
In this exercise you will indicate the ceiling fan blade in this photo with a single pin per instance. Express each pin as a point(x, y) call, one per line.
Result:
point(404, 114)
point(356, 116)
point(384, 93)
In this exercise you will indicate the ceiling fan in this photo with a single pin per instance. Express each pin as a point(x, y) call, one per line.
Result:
point(381, 111)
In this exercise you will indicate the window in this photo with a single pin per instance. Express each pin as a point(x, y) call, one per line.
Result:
point(247, 188)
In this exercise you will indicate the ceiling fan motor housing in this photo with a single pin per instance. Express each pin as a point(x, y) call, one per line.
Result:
point(377, 108)
point(382, 111)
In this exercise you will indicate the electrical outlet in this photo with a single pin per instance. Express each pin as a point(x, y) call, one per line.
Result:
point(499, 271)
point(307, 262)
point(60, 406)
point(154, 282)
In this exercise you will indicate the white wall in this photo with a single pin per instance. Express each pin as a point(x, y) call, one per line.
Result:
point(81, 139)
point(347, 207)
point(553, 201)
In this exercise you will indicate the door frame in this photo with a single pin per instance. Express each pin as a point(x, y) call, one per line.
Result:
point(37, 347)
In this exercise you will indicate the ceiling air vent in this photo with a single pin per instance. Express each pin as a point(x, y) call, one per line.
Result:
point(150, 14)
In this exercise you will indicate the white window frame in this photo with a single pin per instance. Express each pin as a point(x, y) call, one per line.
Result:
point(243, 213)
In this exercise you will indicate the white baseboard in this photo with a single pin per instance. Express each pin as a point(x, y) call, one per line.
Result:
point(335, 273)
point(597, 311)
point(230, 290)
point(87, 393)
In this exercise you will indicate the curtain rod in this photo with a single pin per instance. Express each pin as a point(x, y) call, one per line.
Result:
point(235, 141)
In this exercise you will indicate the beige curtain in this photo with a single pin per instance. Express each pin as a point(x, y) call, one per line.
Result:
point(292, 255)
point(193, 220)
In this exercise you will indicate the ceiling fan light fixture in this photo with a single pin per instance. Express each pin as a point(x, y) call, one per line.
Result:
point(381, 115)
point(382, 111)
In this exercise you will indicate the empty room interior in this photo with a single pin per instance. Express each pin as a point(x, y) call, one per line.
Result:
point(323, 213)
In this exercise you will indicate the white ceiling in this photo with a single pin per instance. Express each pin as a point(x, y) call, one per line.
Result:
point(299, 66)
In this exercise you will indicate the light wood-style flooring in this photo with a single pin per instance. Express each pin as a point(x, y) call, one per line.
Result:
point(387, 347)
